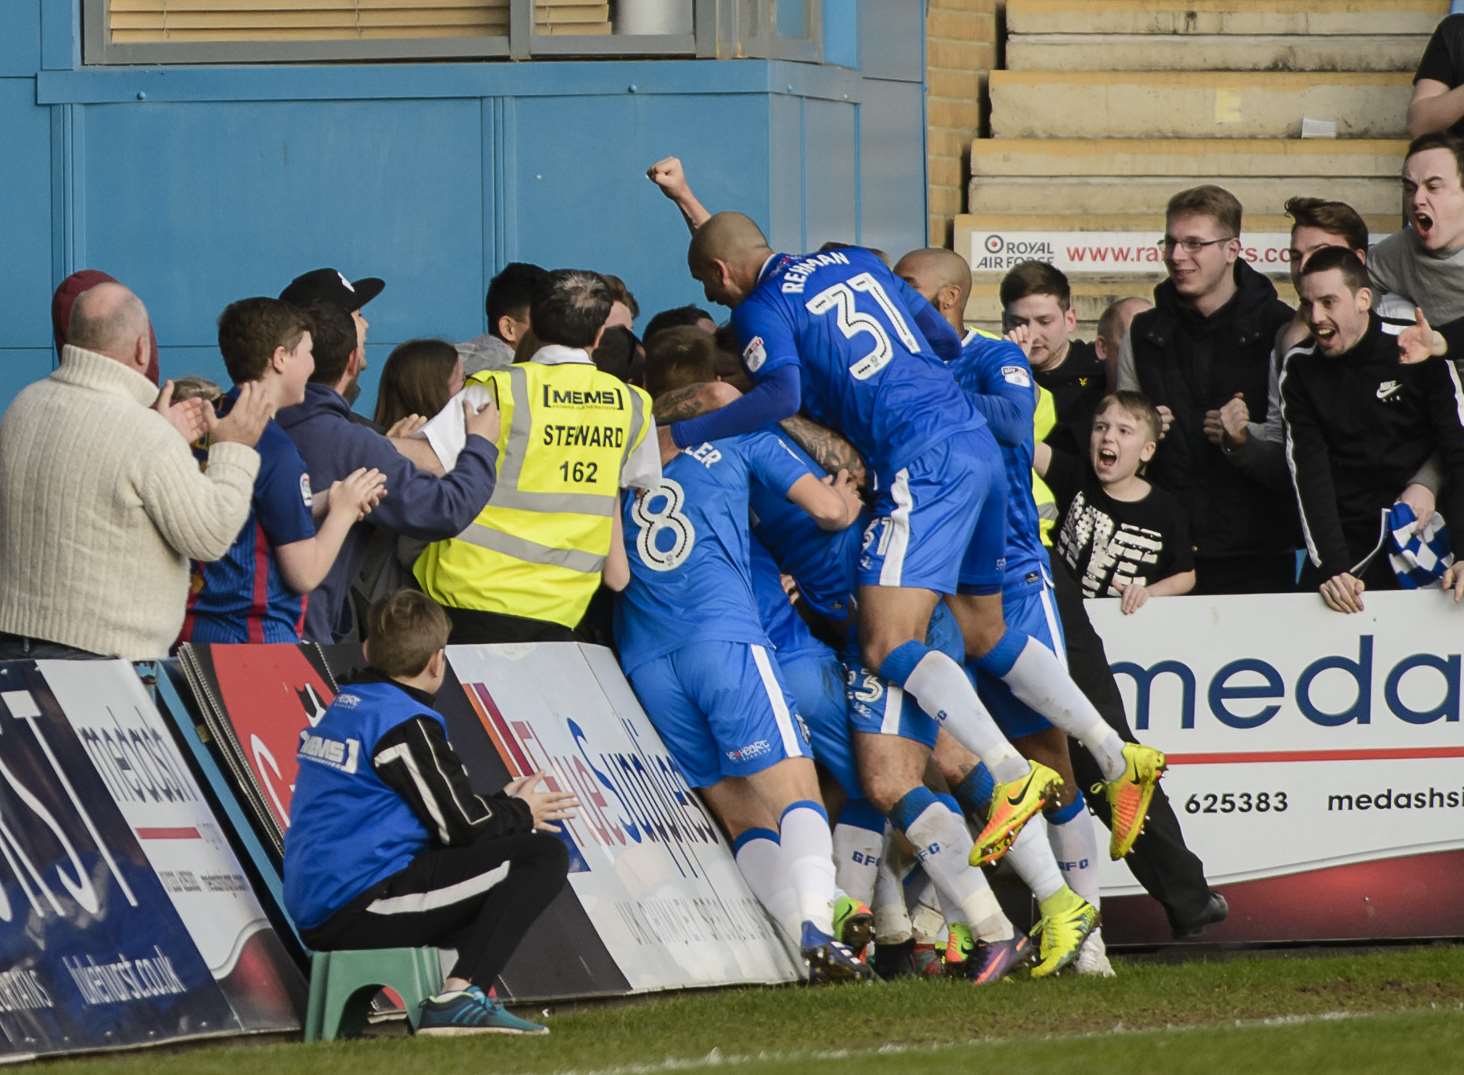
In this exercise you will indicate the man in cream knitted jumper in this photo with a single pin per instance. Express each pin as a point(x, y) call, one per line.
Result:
point(101, 501)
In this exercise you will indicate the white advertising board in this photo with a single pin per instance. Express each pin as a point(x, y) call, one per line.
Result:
point(138, 761)
point(648, 865)
point(1107, 253)
point(1302, 740)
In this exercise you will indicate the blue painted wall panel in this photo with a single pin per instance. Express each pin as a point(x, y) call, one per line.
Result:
point(584, 200)
point(892, 166)
point(25, 216)
point(19, 368)
point(226, 181)
point(829, 173)
point(784, 222)
point(195, 205)
point(20, 37)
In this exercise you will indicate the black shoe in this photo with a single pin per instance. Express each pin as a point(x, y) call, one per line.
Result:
point(1215, 910)
point(895, 960)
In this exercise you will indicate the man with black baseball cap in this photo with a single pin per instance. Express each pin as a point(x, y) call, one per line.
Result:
point(333, 444)
point(331, 286)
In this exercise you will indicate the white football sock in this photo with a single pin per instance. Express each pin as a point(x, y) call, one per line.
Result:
point(856, 860)
point(1075, 844)
point(891, 917)
point(942, 689)
point(1032, 857)
point(941, 840)
point(1040, 681)
point(808, 859)
point(761, 862)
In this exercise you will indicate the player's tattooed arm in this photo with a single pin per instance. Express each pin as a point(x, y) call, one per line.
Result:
point(829, 449)
point(692, 400)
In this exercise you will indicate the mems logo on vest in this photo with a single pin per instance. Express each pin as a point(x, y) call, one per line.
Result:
point(599, 398)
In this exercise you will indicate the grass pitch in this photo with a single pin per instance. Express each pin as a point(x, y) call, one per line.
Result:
point(1251, 1013)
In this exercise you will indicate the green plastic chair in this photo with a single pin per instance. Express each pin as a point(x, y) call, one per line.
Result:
point(343, 983)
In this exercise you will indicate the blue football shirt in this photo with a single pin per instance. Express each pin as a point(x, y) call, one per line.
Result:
point(994, 369)
point(866, 367)
point(242, 597)
point(786, 629)
point(687, 542)
point(823, 562)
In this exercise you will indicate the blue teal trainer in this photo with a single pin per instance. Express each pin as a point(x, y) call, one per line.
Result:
point(471, 1012)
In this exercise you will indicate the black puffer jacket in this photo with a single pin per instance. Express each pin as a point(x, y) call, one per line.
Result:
point(1193, 364)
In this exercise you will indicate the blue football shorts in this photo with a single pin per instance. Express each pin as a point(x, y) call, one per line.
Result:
point(816, 678)
point(941, 520)
point(881, 708)
point(722, 709)
point(1030, 607)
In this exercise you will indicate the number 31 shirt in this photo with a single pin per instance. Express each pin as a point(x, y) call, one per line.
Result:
point(861, 340)
point(688, 549)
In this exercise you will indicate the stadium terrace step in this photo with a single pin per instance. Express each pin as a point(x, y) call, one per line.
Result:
point(1195, 104)
point(1091, 296)
point(1200, 158)
point(1214, 52)
point(1357, 17)
point(1122, 194)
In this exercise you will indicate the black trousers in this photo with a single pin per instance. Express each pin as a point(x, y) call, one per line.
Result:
point(1160, 860)
point(479, 899)
point(1268, 573)
point(471, 627)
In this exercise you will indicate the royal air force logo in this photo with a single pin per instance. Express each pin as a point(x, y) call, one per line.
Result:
point(754, 355)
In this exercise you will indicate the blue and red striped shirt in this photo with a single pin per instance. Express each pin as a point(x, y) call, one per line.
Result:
point(242, 596)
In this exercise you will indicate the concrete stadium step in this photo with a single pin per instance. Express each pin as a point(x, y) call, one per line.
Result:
point(1090, 298)
point(1214, 52)
point(1123, 194)
point(1195, 104)
point(1201, 158)
point(1359, 17)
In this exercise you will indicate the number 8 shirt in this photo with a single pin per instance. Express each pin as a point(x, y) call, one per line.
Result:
point(687, 626)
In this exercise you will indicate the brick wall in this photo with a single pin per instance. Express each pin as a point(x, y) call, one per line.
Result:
point(960, 47)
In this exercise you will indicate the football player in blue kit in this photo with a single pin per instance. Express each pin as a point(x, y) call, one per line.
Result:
point(839, 336)
point(995, 375)
point(825, 566)
point(694, 649)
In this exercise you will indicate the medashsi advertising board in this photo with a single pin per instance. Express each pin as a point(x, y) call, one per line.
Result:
point(1316, 759)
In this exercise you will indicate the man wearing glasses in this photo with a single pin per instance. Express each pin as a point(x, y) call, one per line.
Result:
point(1206, 342)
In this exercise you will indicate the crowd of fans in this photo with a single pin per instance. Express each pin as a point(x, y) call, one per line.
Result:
point(1194, 446)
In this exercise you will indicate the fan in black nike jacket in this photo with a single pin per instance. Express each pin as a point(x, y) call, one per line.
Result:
point(1359, 424)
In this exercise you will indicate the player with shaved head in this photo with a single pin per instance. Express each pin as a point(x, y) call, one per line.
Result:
point(840, 336)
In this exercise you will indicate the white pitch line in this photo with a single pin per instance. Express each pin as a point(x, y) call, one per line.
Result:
point(717, 1059)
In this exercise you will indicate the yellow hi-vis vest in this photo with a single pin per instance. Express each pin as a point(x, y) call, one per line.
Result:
point(1043, 420)
point(537, 547)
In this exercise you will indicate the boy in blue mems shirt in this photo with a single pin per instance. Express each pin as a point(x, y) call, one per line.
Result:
point(388, 845)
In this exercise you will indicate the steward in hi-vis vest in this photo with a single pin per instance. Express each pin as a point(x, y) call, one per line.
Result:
point(571, 438)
